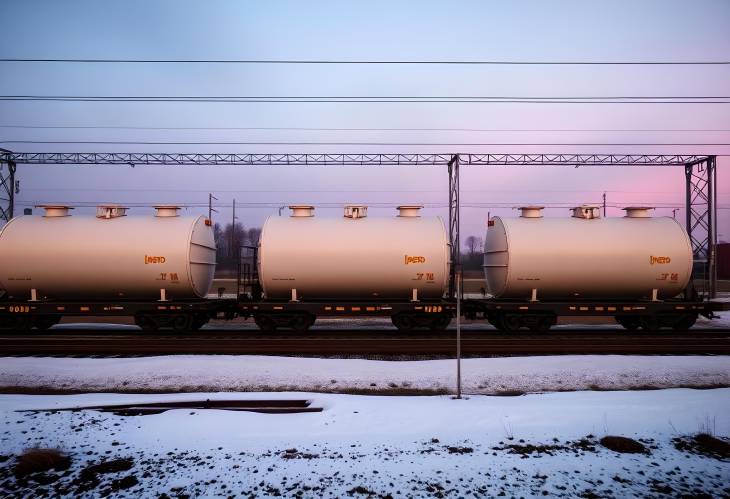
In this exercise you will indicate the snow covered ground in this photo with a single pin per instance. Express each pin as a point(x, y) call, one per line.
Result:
point(531, 445)
point(265, 373)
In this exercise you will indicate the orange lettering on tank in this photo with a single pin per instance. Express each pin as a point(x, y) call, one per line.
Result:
point(414, 259)
point(659, 260)
point(153, 259)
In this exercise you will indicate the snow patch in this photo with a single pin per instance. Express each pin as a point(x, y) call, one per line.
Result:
point(257, 373)
point(386, 445)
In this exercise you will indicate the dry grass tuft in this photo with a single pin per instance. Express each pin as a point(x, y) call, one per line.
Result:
point(40, 460)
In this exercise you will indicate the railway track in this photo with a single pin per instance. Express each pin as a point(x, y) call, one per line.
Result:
point(364, 342)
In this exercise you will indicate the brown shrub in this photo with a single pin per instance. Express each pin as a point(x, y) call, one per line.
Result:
point(38, 460)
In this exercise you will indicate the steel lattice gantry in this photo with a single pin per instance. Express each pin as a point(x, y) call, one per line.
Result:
point(700, 173)
point(8, 186)
point(701, 221)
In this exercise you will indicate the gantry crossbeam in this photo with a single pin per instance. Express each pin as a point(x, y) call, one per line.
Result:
point(135, 159)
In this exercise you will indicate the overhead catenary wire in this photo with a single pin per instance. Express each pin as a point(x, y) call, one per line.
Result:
point(375, 99)
point(439, 144)
point(406, 97)
point(463, 62)
point(360, 129)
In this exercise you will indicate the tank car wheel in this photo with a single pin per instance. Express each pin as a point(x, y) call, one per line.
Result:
point(301, 322)
point(649, 323)
point(440, 323)
point(265, 323)
point(630, 323)
point(199, 321)
point(496, 321)
point(684, 322)
point(146, 323)
point(17, 323)
point(511, 323)
point(182, 323)
point(404, 322)
point(542, 324)
point(46, 322)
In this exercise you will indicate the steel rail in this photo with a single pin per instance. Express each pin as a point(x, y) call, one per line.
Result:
point(385, 343)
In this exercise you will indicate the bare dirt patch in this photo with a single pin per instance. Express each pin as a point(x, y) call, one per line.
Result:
point(113, 466)
point(526, 449)
point(704, 444)
point(459, 450)
point(295, 454)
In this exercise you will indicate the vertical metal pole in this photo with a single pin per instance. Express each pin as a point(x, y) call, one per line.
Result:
point(238, 274)
point(11, 204)
point(454, 239)
point(604, 205)
point(233, 230)
point(457, 208)
point(8, 187)
point(452, 269)
point(688, 172)
point(458, 335)
point(688, 202)
point(712, 225)
point(211, 210)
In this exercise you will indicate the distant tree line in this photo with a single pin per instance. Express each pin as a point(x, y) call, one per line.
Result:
point(228, 239)
point(472, 253)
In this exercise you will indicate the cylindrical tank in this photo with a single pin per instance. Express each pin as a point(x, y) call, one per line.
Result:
point(586, 256)
point(110, 256)
point(353, 257)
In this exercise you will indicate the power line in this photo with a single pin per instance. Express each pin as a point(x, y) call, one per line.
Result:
point(406, 97)
point(376, 99)
point(366, 61)
point(444, 144)
point(355, 129)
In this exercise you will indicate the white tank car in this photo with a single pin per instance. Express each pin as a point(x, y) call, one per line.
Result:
point(110, 256)
point(586, 256)
point(353, 257)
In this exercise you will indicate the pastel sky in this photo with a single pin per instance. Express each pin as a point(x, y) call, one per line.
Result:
point(476, 30)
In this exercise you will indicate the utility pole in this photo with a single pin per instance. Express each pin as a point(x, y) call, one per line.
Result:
point(211, 197)
point(233, 229)
point(458, 333)
point(604, 205)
